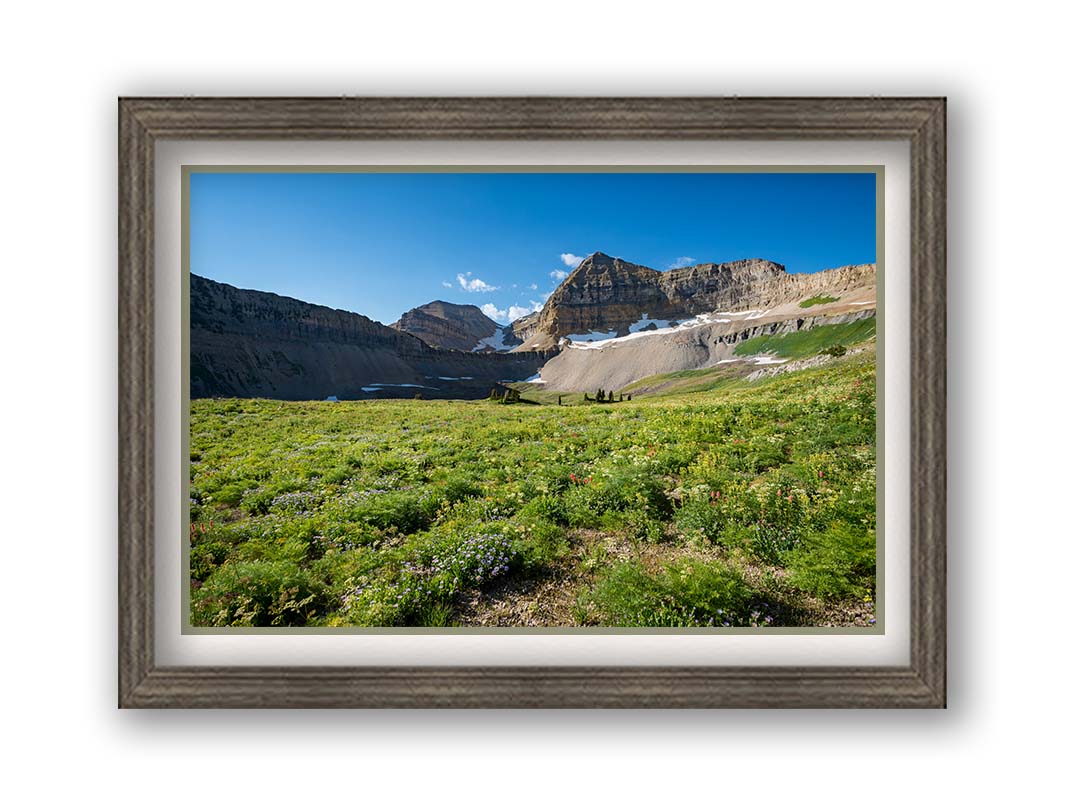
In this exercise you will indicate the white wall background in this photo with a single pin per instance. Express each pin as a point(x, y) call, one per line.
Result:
point(62, 70)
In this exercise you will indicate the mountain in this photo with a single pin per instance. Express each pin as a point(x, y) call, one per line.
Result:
point(609, 295)
point(610, 323)
point(616, 322)
point(449, 326)
point(246, 343)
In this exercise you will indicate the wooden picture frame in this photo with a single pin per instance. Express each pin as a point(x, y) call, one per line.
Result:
point(142, 683)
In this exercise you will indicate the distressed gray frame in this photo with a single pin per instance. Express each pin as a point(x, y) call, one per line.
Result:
point(144, 684)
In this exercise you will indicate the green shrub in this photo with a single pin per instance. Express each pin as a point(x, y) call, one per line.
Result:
point(206, 558)
point(547, 507)
point(623, 489)
point(771, 545)
point(539, 544)
point(686, 593)
point(256, 594)
point(427, 572)
point(839, 561)
point(403, 512)
point(635, 523)
point(701, 517)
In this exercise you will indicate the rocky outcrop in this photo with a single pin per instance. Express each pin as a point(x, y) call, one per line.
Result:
point(449, 326)
point(246, 343)
point(607, 294)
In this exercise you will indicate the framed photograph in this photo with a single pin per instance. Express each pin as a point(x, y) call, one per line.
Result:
point(532, 402)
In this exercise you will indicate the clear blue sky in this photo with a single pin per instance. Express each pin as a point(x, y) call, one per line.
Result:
point(381, 243)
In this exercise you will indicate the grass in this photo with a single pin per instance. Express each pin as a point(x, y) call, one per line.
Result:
point(690, 380)
point(810, 341)
point(818, 300)
point(398, 512)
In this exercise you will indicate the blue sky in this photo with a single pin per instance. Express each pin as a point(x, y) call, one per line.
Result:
point(381, 243)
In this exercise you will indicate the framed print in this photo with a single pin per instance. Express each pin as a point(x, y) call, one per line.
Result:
point(532, 402)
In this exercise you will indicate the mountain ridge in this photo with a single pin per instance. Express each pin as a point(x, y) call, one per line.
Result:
point(452, 326)
point(605, 293)
point(248, 343)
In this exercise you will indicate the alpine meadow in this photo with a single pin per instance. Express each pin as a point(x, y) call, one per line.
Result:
point(547, 435)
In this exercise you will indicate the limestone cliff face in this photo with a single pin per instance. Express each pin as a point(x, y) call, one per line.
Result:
point(608, 294)
point(447, 325)
point(245, 343)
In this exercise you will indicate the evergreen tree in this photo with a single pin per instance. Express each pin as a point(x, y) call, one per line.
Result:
point(611, 397)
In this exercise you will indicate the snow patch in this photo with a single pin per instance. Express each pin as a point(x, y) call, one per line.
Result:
point(597, 341)
point(591, 336)
point(761, 360)
point(401, 385)
point(678, 325)
point(644, 322)
point(332, 399)
point(745, 315)
point(494, 342)
point(535, 378)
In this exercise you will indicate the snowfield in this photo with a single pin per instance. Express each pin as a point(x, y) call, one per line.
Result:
point(645, 321)
point(591, 336)
point(494, 342)
point(596, 341)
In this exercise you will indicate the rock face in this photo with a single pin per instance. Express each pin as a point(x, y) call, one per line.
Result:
point(245, 343)
point(449, 326)
point(606, 294)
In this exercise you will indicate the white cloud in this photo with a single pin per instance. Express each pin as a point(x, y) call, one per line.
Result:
point(533, 286)
point(681, 261)
point(474, 284)
point(570, 259)
point(446, 284)
point(557, 274)
point(493, 312)
point(511, 313)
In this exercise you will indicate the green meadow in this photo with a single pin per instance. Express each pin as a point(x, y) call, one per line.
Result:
point(707, 500)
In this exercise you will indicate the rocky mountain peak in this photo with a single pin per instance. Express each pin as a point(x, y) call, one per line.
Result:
point(605, 294)
point(450, 326)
